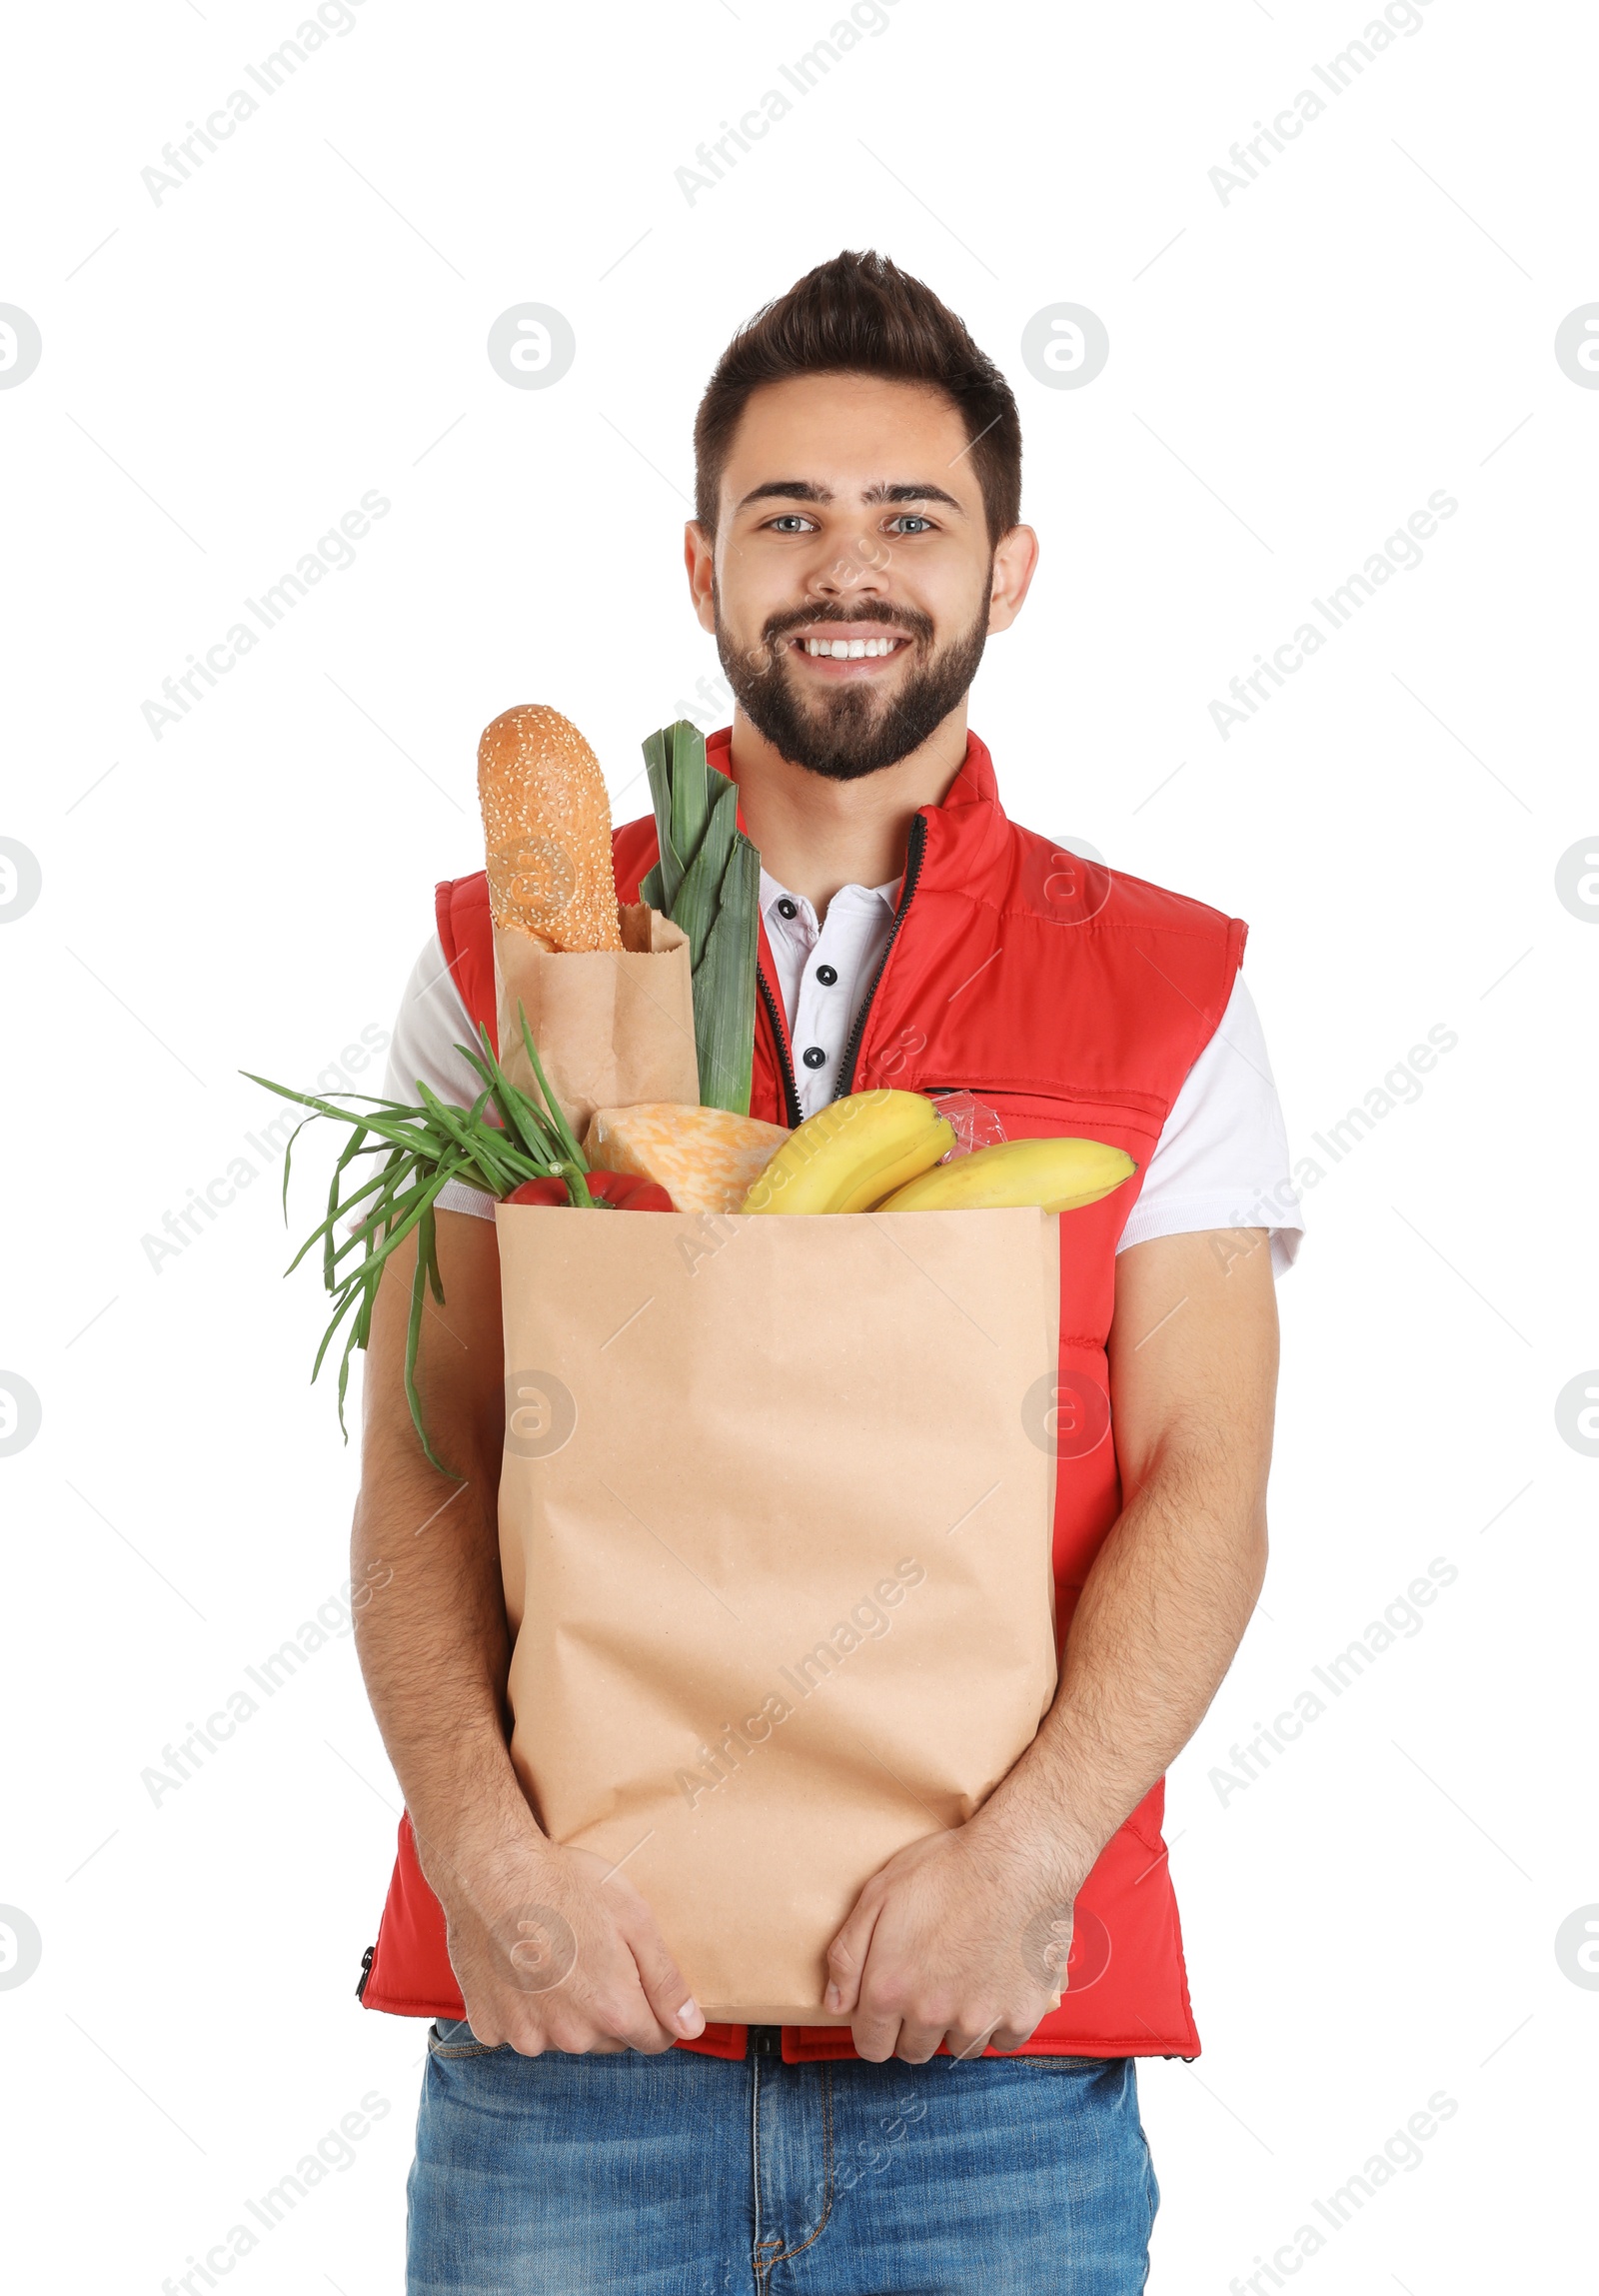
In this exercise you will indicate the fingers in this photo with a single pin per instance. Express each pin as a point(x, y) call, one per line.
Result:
point(884, 2033)
point(925, 2027)
point(600, 2018)
point(560, 2022)
point(915, 2032)
point(875, 2035)
point(583, 1971)
point(964, 2045)
point(606, 2025)
point(664, 1987)
point(1011, 2035)
point(847, 1956)
point(622, 2013)
point(614, 1987)
point(918, 2041)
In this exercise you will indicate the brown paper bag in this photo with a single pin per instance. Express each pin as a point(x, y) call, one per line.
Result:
point(776, 1549)
point(613, 1028)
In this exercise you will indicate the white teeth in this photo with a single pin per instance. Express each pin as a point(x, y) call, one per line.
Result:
point(849, 649)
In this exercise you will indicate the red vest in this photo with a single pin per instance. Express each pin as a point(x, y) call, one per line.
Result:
point(1071, 999)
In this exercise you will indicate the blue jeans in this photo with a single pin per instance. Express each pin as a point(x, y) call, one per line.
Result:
point(684, 2175)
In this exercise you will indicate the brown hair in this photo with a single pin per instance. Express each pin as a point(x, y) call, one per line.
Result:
point(861, 314)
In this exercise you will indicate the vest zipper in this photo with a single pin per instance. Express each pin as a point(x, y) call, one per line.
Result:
point(851, 1052)
point(790, 1090)
point(366, 1970)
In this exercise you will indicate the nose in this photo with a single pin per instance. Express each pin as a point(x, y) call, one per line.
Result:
point(861, 565)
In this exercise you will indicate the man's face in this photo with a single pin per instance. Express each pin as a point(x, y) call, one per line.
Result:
point(850, 518)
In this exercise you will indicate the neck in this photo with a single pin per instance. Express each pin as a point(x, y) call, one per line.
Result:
point(815, 834)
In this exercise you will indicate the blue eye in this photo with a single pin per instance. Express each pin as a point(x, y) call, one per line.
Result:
point(790, 521)
point(915, 518)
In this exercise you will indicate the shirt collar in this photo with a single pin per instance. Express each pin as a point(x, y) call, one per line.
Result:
point(771, 892)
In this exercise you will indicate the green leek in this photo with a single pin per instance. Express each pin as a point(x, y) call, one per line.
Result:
point(707, 881)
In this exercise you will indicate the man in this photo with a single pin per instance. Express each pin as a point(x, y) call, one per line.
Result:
point(857, 538)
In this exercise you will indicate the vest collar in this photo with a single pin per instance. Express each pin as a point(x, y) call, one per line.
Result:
point(970, 815)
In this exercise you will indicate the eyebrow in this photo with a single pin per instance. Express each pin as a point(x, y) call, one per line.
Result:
point(806, 490)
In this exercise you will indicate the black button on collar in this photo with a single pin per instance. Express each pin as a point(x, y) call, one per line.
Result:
point(814, 1057)
point(787, 908)
point(826, 975)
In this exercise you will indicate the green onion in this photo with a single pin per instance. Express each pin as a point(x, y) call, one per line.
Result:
point(707, 881)
point(423, 1149)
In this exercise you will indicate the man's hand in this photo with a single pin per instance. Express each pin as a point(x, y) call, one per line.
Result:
point(960, 1938)
point(556, 1950)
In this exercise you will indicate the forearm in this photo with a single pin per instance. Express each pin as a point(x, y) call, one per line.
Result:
point(432, 1639)
point(434, 1650)
point(1161, 1614)
point(1193, 1366)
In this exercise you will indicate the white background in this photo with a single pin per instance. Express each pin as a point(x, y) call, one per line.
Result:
point(1291, 374)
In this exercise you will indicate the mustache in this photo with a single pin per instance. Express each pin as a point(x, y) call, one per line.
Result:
point(894, 618)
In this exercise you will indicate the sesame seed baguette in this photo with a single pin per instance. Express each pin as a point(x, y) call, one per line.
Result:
point(546, 831)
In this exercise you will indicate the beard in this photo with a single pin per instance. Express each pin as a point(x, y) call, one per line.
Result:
point(851, 731)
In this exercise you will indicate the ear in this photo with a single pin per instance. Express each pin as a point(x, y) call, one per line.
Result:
point(1015, 560)
point(698, 557)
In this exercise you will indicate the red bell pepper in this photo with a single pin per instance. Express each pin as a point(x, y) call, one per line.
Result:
point(624, 1190)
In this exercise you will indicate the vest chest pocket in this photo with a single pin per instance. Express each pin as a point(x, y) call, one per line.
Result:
point(1132, 1123)
point(1089, 1235)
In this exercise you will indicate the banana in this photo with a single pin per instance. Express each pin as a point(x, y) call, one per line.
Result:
point(1054, 1174)
point(852, 1154)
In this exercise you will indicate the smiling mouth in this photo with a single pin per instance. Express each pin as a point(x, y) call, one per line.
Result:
point(880, 646)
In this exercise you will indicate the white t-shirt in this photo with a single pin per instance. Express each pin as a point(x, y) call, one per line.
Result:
point(1221, 1159)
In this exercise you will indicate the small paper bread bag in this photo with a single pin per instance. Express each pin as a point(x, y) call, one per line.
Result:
point(613, 1026)
point(777, 1550)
